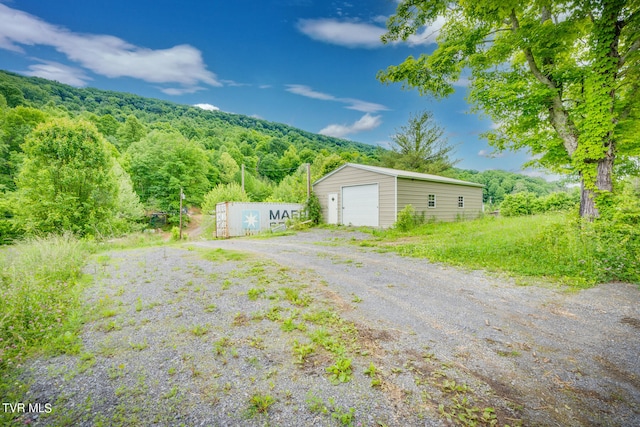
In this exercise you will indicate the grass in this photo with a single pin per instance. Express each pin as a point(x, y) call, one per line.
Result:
point(551, 246)
point(40, 286)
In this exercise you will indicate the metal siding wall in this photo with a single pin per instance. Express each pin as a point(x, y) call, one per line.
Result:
point(354, 176)
point(416, 193)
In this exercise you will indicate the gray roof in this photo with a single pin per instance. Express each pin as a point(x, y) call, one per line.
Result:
point(403, 174)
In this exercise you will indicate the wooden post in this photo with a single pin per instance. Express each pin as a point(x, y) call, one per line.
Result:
point(181, 197)
point(242, 177)
point(308, 181)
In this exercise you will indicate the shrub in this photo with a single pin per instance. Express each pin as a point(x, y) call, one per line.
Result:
point(223, 193)
point(526, 203)
point(313, 209)
point(519, 204)
point(409, 219)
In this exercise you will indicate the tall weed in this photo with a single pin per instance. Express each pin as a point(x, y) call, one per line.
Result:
point(38, 294)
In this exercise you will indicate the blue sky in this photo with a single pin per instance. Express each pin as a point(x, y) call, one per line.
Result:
point(309, 64)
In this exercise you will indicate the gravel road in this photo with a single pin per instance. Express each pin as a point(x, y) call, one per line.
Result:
point(200, 335)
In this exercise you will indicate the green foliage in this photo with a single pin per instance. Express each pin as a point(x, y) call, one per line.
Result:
point(67, 180)
point(131, 131)
point(291, 189)
point(15, 126)
point(340, 372)
point(561, 81)
point(40, 296)
point(9, 228)
point(554, 246)
point(12, 94)
point(313, 209)
point(408, 219)
point(528, 203)
point(497, 184)
point(420, 146)
point(520, 204)
point(302, 351)
point(260, 403)
point(163, 162)
point(223, 193)
point(228, 168)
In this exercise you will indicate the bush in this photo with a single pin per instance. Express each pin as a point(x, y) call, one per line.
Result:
point(223, 193)
point(526, 203)
point(408, 219)
point(520, 204)
point(313, 209)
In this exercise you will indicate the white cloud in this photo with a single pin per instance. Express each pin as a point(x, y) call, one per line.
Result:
point(180, 90)
point(365, 123)
point(490, 154)
point(59, 72)
point(351, 103)
point(309, 93)
point(342, 33)
point(104, 54)
point(354, 34)
point(363, 106)
point(207, 107)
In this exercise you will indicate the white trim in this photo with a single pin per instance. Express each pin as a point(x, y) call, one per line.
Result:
point(402, 174)
point(395, 200)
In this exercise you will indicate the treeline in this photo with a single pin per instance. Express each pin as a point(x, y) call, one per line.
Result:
point(498, 184)
point(51, 135)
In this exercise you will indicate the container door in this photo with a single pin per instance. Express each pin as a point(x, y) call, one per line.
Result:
point(222, 229)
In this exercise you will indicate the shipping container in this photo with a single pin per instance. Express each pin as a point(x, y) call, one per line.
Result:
point(244, 218)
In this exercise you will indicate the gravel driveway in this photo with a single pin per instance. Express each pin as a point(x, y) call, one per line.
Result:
point(243, 331)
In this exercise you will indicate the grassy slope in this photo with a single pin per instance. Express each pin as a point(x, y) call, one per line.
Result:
point(552, 246)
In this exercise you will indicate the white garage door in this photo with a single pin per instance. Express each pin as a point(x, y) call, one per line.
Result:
point(360, 205)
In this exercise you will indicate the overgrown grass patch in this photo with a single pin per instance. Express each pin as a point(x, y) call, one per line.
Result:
point(222, 255)
point(40, 288)
point(552, 246)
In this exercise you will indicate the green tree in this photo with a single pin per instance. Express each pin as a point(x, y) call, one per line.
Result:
point(223, 193)
point(12, 94)
point(67, 180)
point(129, 132)
point(227, 167)
point(163, 162)
point(558, 77)
point(420, 146)
point(108, 125)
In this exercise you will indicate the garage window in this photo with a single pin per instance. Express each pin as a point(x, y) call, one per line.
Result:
point(431, 202)
point(461, 201)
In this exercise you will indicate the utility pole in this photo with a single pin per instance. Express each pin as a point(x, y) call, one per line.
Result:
point(181, 199)
point(308, 181)
point(243, 177)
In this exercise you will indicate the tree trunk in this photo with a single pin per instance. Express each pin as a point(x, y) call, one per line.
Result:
point(604, 182)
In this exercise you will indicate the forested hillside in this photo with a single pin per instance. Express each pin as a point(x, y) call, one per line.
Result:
point(150, 149)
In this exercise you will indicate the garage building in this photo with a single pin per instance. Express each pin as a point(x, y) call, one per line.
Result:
point(364, 195)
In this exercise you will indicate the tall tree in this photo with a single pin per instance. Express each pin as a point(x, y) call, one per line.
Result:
point(560, 77)
point(67, 180)
point(163, 162)
point(420, 146)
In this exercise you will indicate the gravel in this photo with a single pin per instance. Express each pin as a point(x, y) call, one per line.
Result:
point(181, 338)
